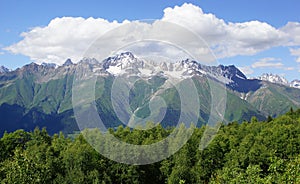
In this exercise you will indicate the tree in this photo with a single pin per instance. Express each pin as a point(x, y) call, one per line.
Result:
point(10, 141)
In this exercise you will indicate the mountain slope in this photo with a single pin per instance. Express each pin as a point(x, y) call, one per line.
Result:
point(273, 99)
point(273, 78)
point(41, 95)
point(3, 69)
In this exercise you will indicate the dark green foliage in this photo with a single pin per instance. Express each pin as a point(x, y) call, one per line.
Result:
point(250, 152)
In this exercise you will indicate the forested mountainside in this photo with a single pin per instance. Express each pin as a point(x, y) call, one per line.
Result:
point(250, 152)
point(41, 95)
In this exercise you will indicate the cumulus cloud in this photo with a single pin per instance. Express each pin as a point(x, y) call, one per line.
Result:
point(159, 38)
point(296, 52)
point(62, 38)
point(292, 30)
point(288, 68)
point(263, 63)
point(227, 39)
point(208, 26)
point(267, 63)
point(70, 37)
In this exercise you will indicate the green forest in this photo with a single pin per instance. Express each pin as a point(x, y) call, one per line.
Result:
point(249, 152)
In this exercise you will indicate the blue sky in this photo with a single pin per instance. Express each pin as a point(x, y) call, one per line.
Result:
point(22, 16)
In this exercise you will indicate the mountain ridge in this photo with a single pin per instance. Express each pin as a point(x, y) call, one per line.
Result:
point(3, 69)
point(44, 92)
point(110, 65)
point(275, 78)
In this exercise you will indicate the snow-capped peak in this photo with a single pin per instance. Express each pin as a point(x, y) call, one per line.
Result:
point(49, 65)
point(273, 78)
point(128, 64)
point(4, 69)
point(123, 63)
point(123, 60)
point(89, 60)
point(68, 62)
point(295, 84)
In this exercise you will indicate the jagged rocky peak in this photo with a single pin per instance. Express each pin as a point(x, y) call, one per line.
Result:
point(123, 61)
point(49, 65)
point(187, 63)
point(32, 67)
point(274, 78)
point(230, 72)
point(4, 69)
point(295, 83)
point(226, 71)
point(68, 62)
point(126, 63)
point(88, 60)
point(125, 55)
point(233, 71)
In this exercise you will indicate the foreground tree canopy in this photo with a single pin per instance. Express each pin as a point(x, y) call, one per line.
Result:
point(251, 152)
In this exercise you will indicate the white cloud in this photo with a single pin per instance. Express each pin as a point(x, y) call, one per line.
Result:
point(267, 63)
point(227, 39)
point(289, 68)
point(159, 39)
point(69, 37)
point(207, 26)
point(296, 52)
point(62, 38)
point(292, 29)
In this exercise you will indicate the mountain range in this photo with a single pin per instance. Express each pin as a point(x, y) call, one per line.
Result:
point(274, 78)
point(41, 95)
point(3, 69)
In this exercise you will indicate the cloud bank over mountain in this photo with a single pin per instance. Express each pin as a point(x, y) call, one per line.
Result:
point(66, 37)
